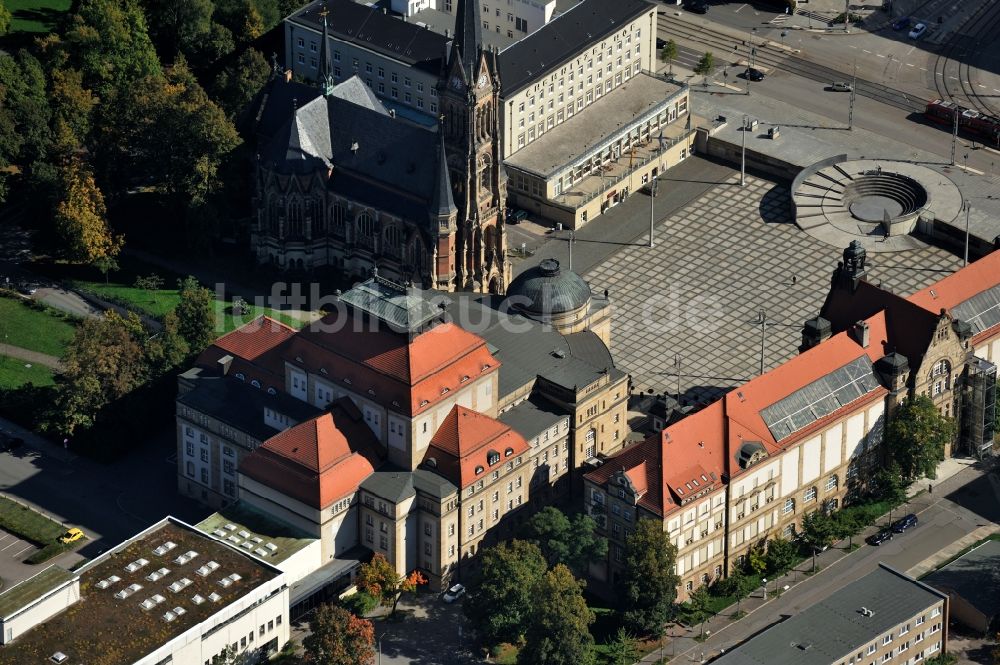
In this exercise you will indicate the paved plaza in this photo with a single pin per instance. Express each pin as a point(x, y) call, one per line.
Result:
point(719, 261)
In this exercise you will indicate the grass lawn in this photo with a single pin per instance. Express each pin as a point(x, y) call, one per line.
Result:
point(14, 374)
point(28, 524)
point(29, 328)
point(35, 15)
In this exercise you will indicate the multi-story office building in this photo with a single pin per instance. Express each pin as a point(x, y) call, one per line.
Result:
point(885, 617)
point(390, 427)
point(170, 594)
point(807, 435)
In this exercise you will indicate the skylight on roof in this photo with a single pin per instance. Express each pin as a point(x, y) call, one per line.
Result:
point(820, 398)
point(981, 311)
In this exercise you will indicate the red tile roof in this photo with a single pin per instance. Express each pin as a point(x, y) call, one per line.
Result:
point(961, 285)
point(464, 440)
point(703, 446)
point(254, 339)
point(319, 461)
point(412, 375)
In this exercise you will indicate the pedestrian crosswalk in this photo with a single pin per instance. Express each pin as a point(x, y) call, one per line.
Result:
point(825, 20)
point(779, 19)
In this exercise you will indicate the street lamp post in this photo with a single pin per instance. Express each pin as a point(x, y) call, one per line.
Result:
point(677, 365)
point(652, 198)
point(764, 586)
point(743, 151)
point(968, 208)
point(762, 320)
point(850, 110)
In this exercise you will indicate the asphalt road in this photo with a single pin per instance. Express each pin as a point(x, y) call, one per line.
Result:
point(958, 506)
point(109, 502)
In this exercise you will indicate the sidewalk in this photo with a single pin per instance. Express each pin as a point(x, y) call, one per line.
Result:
point(30, 356)
point(682, 645)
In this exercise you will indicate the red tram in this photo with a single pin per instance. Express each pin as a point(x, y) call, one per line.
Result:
point(982, 127)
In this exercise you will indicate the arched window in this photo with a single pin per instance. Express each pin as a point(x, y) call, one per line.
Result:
point(318, 224)
point(492, 457)
point(486, 175)
point(393, 238)
point(940, 377)
point(366, 230)
point(338, 216)
point(295, 226)
point(272, 215)
point(492, 241)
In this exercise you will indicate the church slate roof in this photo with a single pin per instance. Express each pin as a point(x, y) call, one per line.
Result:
point(370, 28)
point(376, 157)
point(552, 45)
point(468, 36)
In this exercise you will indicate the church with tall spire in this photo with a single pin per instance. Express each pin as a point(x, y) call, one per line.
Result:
point(345, 183)
point(470, 125)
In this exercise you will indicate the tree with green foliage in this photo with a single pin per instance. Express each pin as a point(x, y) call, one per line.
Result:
point(25, 135)
point(178, 26)
point(570, 541)
point(818, 532)
point(108, 42)
point(195, 314)
point(890, 485)
point(167, 349)
point(236, 85)
point(150, 283)
point(337, 637)
point(214, 45)
point(72, 105)
point(379, 578)
point(705, 66)
point(916, 437)
point(231, 656)
point(4, 19)
point(737, 584)
point(699, 606)
point(668, 53)
point(757, 559)
point(499, 608)
point(780, 556)
point(648, 585)
point(558, 631)
point(623, 649)
point(81, 218)
point(845, 525)
point(103, 362)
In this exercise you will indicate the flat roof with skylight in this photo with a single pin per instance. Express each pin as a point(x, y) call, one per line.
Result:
point(140, 596)
point(254, 532)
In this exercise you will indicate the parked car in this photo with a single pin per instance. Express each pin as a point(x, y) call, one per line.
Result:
point(901, 23)
point(840, 86)
point(660, 42)
point(904, 523)
point(517, 216)
point(880, 537)
point(27, 288)
point(918, 31)
point(8, 442)
point(454, 593)
point(696, 7)
point(753, 74)
point(71, 536)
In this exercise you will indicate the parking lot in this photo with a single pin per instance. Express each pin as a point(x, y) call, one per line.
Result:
point(13, 551)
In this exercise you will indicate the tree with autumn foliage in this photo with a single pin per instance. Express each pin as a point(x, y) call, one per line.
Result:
point(380, 579)
point(80, 217)
point(337, 637)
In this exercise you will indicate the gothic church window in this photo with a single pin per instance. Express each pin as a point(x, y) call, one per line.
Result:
point(295, 226)
point(392, 240)
point(338, 216)
point(366, 230)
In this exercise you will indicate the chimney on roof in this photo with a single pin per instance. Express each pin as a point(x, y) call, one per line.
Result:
point(860, 333)
point(224, 363)
point(814, 331)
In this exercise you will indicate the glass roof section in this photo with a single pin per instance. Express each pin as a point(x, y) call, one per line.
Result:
point(820, 398)
point(981, 311)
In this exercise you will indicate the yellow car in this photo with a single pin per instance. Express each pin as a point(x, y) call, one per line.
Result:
point(71, 536)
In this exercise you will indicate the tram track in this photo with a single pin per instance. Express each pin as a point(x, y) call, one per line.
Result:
point(984, 23)
point(771, 57)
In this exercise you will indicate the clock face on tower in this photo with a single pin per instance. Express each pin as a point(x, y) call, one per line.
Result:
point(482, 80)
point(456, 82)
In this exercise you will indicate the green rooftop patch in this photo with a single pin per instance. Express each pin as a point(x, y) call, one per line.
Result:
point(230, 525)
point(22, 593)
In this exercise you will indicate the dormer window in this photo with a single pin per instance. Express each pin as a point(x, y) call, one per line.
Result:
point(240, 376)
point(371, 391)
point(255, 383)
point(298, 359)
point(492, 457)
point(479, 470)
point(445, 390)
point(464, 379)
point(322, 370)
point(272, 391)
point(424, 402)
point(347, 381)
point(508, 452)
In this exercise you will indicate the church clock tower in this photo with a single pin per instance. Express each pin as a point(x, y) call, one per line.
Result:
point(470, 125)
